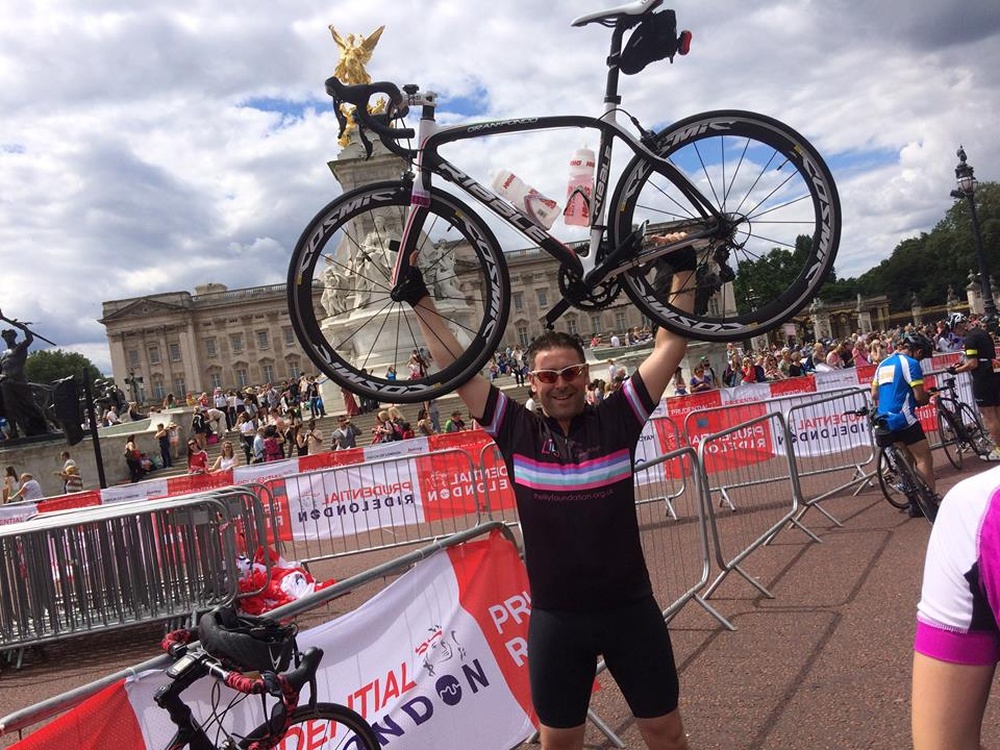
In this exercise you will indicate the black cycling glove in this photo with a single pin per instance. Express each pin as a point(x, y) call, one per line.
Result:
point(413, 289)
point(682, 260)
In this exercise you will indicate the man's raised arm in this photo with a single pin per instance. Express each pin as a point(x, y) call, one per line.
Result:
point(658, 369)
point(444, 349)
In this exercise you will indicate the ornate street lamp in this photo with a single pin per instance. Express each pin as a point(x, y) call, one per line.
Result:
point(967, 184)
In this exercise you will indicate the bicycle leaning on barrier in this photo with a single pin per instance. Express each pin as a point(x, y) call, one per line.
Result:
point(961, 428)
point(898, 478)
point(230, 644)
point(739, 184)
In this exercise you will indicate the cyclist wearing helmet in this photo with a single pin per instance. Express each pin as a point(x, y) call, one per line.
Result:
point(980, 356)
point(897, 391)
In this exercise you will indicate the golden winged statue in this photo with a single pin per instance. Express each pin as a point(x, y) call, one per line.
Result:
point(355, 52)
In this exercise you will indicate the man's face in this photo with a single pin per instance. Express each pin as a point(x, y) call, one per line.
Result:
point(563, 399)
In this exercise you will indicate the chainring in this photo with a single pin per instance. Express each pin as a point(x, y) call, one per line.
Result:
point(583, 298)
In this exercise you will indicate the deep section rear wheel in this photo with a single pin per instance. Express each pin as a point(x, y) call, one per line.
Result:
point(339, 292)
point(326, 726)
point(951, 443)
point(771, 247)
point(891, 483)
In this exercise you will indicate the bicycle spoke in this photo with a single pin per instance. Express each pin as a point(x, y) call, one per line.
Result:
point(753, 171)
point(355, 332)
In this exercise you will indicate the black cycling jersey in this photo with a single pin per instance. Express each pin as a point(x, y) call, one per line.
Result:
point(576, 499)
point(985, 382)
point(979, 345)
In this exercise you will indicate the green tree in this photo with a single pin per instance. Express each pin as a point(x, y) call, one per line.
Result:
point(770, 276)
point(927, 265)
point(48, 365)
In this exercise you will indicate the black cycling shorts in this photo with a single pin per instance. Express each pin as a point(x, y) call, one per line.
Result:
point(986, 391)
point(563, 648)
point(908, 436)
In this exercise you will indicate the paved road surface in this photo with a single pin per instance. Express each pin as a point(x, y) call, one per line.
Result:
point(825, 664)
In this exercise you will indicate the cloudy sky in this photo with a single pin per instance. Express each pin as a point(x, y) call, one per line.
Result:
point(148, 147)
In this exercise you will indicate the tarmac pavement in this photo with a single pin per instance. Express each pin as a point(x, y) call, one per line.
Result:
point(824, 664)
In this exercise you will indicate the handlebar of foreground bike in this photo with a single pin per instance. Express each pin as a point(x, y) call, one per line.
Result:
point(189, 667)
point(360, 95)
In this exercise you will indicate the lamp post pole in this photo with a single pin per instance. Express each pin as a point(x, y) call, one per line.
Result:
point(965, 176)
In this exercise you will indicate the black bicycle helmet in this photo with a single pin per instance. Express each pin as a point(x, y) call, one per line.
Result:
point(919, 344)
point(246, 643)
point(956, 318)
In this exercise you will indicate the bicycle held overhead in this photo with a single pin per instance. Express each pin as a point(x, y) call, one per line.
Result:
point(733, 185)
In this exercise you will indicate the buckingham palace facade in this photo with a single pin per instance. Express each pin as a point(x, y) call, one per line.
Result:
point(180, 343)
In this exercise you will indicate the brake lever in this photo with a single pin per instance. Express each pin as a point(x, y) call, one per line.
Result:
point(341, 118)
point(362, 134)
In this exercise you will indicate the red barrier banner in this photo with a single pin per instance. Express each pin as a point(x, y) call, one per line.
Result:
point(67, 502)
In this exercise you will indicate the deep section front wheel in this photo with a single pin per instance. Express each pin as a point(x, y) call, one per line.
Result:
point(767, 206)
point(951, 443)
point(349, 324)
point(325, 726)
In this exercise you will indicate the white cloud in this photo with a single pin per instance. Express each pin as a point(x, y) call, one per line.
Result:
point(131, 164)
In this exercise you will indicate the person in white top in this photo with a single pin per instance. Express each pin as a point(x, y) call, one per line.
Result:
point(957, 641)
point(30, 489)
point(227, 459)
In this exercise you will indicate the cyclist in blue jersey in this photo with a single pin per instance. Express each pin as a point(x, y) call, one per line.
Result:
point(897, 391)
point(571, 469)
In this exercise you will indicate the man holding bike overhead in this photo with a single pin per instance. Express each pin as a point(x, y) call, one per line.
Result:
point(897, 391)
point(571, 467)
point(980, 356)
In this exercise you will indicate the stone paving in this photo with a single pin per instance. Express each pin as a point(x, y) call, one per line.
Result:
point(824, 664)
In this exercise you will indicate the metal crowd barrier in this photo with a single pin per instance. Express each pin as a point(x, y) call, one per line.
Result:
point(747, 475)
point(115, 565)
point(111, 566)
point(673, 530)
point(833, 450)
point(667, 428)
point(359, 508)
point(21, 719)
point(498, 490)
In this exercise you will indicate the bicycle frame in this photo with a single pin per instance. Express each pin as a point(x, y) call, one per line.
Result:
point(431, 137)
point(430, 162)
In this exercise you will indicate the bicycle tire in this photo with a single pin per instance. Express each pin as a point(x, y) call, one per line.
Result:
point(775, 191)
point(977, 437)
point(917, 489)
point(952, 440)
point(358, 331)
point(359, 734)
point(890, 483)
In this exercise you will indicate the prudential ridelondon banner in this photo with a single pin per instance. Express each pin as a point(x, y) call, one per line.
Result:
point(437, 660)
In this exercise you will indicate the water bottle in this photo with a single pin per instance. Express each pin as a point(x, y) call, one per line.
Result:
point(580, 188)
point(541, 210)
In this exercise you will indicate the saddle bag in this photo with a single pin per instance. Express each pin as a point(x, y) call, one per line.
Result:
point(653, 39)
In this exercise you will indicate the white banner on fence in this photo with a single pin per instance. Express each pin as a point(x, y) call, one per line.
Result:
point(353, 499)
